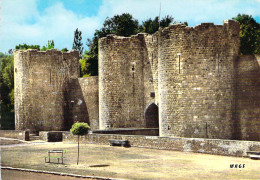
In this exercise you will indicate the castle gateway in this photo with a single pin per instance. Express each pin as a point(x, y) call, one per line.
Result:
point(186, 81)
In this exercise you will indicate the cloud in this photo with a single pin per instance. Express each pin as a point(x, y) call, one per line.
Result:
point(18, 11)
point(193, 11)
point(23, 23)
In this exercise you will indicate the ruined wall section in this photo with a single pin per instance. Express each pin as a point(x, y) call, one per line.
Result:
point(196, 94)
point(89, 89)
point(82, 102)
point(74, 103)
point(42, 81)
point(151, 48)
point(121, 89)
point(248, 97)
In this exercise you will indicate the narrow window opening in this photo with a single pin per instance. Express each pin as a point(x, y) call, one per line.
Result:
point(179, 55)
point(218, 62)
point(152, 59)
point(50, 76)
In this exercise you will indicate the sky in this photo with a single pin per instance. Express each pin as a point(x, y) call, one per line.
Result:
point(37, 21)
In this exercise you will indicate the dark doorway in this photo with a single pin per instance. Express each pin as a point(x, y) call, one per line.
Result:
point(151, 116)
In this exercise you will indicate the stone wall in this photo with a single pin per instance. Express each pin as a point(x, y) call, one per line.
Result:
point(43, 80)
point(203, 88)
point(130, 131)
point(196, 88)
point(194, 91)
point(247, 95)
point(128, 80)
point(197, 145)
point(89, 89)
point(51, 136)
point(48, 93)
point(151, 48)
point(121, 88)
point(16, 134)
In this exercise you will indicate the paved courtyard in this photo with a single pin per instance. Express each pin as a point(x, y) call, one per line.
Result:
point(131, 163)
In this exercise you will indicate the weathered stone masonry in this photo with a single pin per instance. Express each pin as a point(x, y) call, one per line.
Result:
point(196, 93)
point(202, 86)
point(48, 92)
point(247, 97)
point(122, 68)
point(186, 81)
point(128, 78)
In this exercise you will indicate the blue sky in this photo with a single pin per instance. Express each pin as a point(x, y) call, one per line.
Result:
point(37, 21)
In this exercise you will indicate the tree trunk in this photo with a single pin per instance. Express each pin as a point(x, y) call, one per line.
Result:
point(78, 151)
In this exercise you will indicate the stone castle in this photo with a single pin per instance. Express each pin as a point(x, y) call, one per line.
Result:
point(185, 81)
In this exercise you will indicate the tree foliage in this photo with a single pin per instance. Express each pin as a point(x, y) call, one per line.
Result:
point(249, 34)
point(79, 128)
point(121, 25)
point(77, 44)
point(64, 50)
point(25, 46)
point(7, 91)
point(49, 46)
point(7, 79)
point(10, 51)
point(84, 65)
point(151, 26)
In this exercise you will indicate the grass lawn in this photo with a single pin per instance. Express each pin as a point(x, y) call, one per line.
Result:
point(131, 163)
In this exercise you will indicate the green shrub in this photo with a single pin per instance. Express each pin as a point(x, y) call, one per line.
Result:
point(25, 47)
point(64, 50)
point(79, 128)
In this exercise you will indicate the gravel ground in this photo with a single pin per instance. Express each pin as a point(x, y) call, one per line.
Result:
point(131, 163)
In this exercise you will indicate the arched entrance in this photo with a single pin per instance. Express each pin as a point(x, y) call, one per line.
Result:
point(151, 116)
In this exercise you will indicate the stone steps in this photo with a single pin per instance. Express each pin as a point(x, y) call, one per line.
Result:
point(253, 154)
point(34, 137)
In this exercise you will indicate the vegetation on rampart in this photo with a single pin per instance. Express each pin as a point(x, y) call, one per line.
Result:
point(249, 34)
point(37, 47)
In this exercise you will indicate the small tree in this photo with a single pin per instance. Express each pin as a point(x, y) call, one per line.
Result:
point(79, 129)
point(77, 44)
point(49, 46)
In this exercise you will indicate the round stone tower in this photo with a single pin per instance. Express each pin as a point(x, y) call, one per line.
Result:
point(121, 84)
point(42, 84)
point(196, 80)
